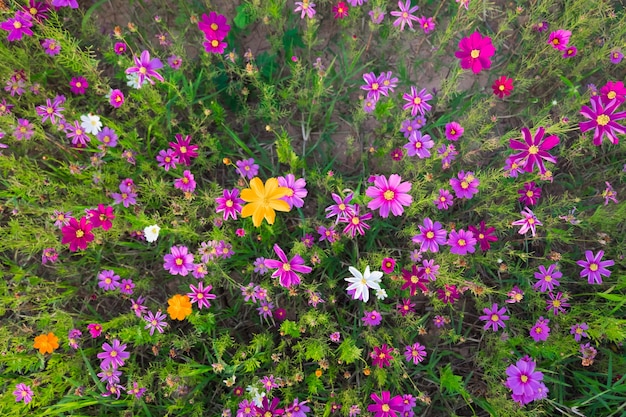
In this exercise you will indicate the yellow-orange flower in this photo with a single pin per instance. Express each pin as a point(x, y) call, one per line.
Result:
point(179, 307)
point(46, 343)
point(263, 200)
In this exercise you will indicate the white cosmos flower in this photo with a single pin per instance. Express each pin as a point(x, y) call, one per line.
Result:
point(257, 397)
point(91, 123)
point(361, 283)
point(133, 80)
point(381, 294)
point(152, 233)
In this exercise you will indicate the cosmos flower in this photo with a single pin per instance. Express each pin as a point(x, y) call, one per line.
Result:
point(417, 102)
point(502, 86)
point(263, 200)
point(475, 52)
point(146, 68)
point(528, 222)
point(534, 149)
point(389, 195)
point(405, 14)
point(594, 268)
point(286, 269)
point(362, 282)
point(603, 119)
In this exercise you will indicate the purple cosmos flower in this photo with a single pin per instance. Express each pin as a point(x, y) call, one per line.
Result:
point(136, 391)
point(371, 318)
point(578, 330)
point(381, 356)
point(179, 261)
point(50, 111)
point(454, 131)
point(108, 280)
point(126, 198)
point(113, 355)
point(297, 409)
point(187, 183)
point(548, 278)
point(439, 321)
point(559, 39)
point(214, 46)
point(356, 222)
point(557, 303)
point(515, 295)
point(174, 62)
point(155, 322)
point(431, 236)
point(265, 309)
point(414, 279)
point(108, 137)
point(201, 295)
point(389, 82)
point(268, 409)
point(529, 194)
point(603, 119)
point(306, 8)
point(485, 235)
point(78, 135)
point(167, 159)
point(65, 3)
point(224, 249)
point(609, 194)
point(183, 149)
point(444, 200)
point(78, 85)
point(137, 306)
point(529, 222)
point(127, 286)
point(116, 98)
point(417, 102)
point(389, 195)
point(72, 338)
point(377, 15)
point(119, 48)
point(523, 380)
point(384, 405)
point(110, 376)
point(419, 145)
point(448, 294)
point(465, 185)
point(415, 353)
point(247, 168)
point(616, 57)
point(405, 307)
point(494, 317)
point(49, 255)
point(24, 393)
point(297, 190)
point(269, 382)
point(570, 52)
point(23, 130)
point(229, 204)
point(342, 208)
point(431, 269)
point(534, 150)
point(286, 269)
point(113, 389)
point(374, 86)
point(369, 105)
point(18, 26)
point(408, 127)
point(594, 268)
point(427, 24)
point(540, 331)
point(405, 15)
point(461, 242)
point(101, 217)
point(145, 68)
point(214, 26)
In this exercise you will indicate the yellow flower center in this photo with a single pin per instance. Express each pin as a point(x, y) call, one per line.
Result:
point(430, 235)
point(229, 203)
point(531, 221)
point(355, 220)
point(80, 233)
point(481, 236)
point(529, 193)
point(452, 132)
point(405, 15)
point(556, 303)
point(107, 280)
point(418, 145)
point(17, 25)
point(548, 278)
point(143, 70)
point(79, 131)
point(385, 408)
point(185, 180)
point(414, 279)
point(215, 43)
point(375, 86)
point(501, 88)
point(49, 110)
point(464, 184)
point(603, 120)
point(286, 267)
point(538, 330)
point(79, 84)
point(199, 296)
point(524, 378)
point(178, 261)
point(533, 150)
point(389, 195)
point(417, 100)
point(113, 354)
point(495, 317)
point(475, 53)
point(461, 242)
point(33, 11)
point(289, 192)
point(593, 267)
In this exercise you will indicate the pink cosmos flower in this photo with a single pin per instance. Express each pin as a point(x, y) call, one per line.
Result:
point(419, 145)
point(523, 380)
point(528, 222)
point(108, 280)
point(95, 329)
point(427, 24)
point(389, 195)
point(286, 269)
point(356, 222)
point(432, 234)
point(77, 234)
point(187, 183)
point(78, 85)
point(183, 149)
point(415, 353)
point(65, 3)
point(155, 322)
point(24, 393)
point(297, 190)
point(461, 242)
point(371, 318)
point(454, 131)
point(201, 295)
point(230, 204)
point(557, 303)
point(485, 235)
point(540, 331)
point(559, 39)
point(465, 185)
point(119, 48)
point(388, 265)
point(51, 47)
point(374, 86)
point(116, 98)
point(101, 217)
point(179, 261)
point(381, 356)
point(342, 207)
point(340, 10)
point(146, 68)
point(603, 119)
point(414, 279)
point(214, 46)
point(405, 15)
point(448, 294)
point(18, 26)
point(214, 26)
point(167, 159)
point(594, 268)
point(307, 8)
point(534, 149)
point(529, 194)
point(494, 317)
point(113, 355)
point(578, 330)
point(475, 51)
point(613, 90)
point(570, 52)
point(417, 102)
point(444, 200)
point(548, 278)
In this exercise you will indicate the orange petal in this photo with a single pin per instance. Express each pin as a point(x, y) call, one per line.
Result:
point(257, 217)
point(280, 205)
point(249, 209)
point(270, 215)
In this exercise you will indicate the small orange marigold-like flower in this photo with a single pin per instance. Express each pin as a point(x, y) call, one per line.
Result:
point(46, 343)
point(179, 307)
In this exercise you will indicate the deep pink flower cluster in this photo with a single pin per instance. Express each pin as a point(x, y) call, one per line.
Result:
point(215, 29)
point(603, 115)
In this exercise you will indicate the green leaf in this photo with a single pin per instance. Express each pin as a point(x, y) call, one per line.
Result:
point(451, 383)
point(348, 351)
point(290, 328)
point(243, 17)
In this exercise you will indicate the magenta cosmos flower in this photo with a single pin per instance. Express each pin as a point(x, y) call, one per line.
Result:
point(381, 356)
point(116, 98)
point(523, 379)
point(540, 331)
point(297, 190)
point(594, 267)
point(183, 149)
point(559, 39)
point(389, 195)
point(102, 216)
point(485, 235)
point(419, 145)
point(214, 26)
point(529, 194)
point(18, 26)
point(385, 406)
point(113, 355)
point(24, 393)
point(454, 131)
point(179, 261)
point(461, 242)
point(475, 51)
point(547, 278)
point(417, 102)
point(494, 317)
point(77, 234)
point(230, 204)
point(201, 295)
point(432, 234)
point(534, 149)
point(146, 68)
point(603, 120)
point(286, 269)
point(415, 353)
point(465, 185)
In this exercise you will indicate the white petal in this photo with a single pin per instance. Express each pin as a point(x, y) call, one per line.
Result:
point(355, 272)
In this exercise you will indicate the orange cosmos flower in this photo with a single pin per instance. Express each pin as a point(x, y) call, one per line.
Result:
point(263, 200)
point(179, 307)
point(46, 343)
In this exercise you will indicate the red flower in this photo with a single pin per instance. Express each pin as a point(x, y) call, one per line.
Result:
point(502, 86)
point(340, 10)
point(78, 235)
point(475, 51)
point(102, 216)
